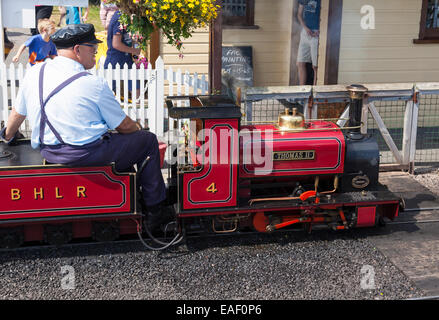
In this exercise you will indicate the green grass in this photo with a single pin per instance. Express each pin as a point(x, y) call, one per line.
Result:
point(93, 17)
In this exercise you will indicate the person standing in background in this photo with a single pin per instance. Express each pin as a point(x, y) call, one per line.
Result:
point(120, 49)
point(309, 17)
point(106, 12)
point(73, 15)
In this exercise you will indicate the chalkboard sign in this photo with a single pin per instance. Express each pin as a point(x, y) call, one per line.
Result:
point(237, 67)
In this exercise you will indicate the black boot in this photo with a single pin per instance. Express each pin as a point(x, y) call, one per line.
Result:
point(156, 216)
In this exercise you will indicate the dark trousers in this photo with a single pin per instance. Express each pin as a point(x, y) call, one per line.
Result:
point(124, 150)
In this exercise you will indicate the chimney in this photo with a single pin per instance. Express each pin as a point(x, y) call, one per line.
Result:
point(356, 94)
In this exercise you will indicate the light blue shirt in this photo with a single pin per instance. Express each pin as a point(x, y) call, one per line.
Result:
point(81, 112)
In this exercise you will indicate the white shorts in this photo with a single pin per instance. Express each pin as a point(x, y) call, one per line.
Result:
point(308, 48)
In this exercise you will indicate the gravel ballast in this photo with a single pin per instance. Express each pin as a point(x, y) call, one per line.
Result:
point(323, 265)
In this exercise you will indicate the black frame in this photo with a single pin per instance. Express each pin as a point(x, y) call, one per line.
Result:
point(247, 20)
point(424, 32)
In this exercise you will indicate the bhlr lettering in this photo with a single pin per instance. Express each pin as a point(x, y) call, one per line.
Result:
point(39, 192)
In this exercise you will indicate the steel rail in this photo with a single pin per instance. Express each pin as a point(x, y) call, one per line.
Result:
point(195, 236)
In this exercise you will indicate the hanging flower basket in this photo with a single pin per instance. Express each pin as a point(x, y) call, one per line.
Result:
point(176, 18)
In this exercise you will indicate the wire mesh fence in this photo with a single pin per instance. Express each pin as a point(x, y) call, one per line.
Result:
point(427, 140)
point(392, 114)
point(391, 110)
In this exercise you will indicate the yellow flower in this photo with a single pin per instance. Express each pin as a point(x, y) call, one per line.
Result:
point(195, 20)
point(179, 5)
point(154, 4)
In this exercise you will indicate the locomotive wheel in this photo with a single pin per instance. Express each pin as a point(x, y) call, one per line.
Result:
point(105, 231)
point(58, 234)
point(11, 238)
point(260, 222)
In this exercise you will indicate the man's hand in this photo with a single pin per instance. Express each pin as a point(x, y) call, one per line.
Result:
point(13, 140)
point(309, 31)
point(14, 122)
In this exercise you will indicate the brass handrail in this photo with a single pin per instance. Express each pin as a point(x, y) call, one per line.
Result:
point(307, 130)
point(307, 120)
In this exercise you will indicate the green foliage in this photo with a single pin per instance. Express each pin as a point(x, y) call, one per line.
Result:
point(176, 18)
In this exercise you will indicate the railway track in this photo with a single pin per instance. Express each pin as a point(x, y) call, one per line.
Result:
point(414, 221)
point(161, 243)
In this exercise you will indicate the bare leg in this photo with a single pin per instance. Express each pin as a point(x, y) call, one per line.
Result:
point(301, 68)
point(315, 75)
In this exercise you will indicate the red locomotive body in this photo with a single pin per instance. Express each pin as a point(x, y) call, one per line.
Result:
point(261, 177)
point(61, 191)
point(309, 176)
point(216, 183)
point(294, 153)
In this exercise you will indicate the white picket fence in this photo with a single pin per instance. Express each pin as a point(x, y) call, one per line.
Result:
point(154, 85)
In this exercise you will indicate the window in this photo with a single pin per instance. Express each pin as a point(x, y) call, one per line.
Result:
point(429, 29)
point(238, 12)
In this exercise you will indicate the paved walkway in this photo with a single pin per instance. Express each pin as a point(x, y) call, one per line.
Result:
point(18, 37)
point(413, 248)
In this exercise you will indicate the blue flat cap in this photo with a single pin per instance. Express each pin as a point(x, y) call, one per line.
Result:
point(74, 34)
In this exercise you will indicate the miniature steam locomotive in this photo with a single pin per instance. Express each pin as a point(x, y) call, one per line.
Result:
point(222, 177)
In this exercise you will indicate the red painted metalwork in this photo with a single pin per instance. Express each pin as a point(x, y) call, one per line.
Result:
point(216, 184)
point(322, 138)
point(366, 216)
point(162, 150)
point(54, 191)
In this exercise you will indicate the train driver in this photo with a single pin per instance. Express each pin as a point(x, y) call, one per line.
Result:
point(72, 111)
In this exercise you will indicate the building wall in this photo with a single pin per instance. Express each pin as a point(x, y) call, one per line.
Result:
point(271, 42)
point(321, 62)
point(195, 53)
point(387, 53)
